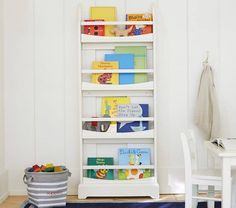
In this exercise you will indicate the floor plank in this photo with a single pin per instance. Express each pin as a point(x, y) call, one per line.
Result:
point(16, 201)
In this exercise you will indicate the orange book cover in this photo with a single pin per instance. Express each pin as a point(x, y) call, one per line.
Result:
point(139, 29)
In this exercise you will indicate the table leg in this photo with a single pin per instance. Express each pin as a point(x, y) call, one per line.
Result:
point(226, 183)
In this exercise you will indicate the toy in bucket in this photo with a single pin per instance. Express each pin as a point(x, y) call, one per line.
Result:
point(47, 185)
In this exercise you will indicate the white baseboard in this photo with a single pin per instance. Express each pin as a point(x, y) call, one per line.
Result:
point(16, 192)
point(171, 180)
point(4, 185)
point(72, 191)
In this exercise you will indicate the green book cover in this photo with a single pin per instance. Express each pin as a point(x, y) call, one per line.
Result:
point(100, 173)
point(140, 60)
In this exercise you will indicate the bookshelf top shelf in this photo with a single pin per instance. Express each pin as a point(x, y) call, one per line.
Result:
point(118, 23)
point(112, 39)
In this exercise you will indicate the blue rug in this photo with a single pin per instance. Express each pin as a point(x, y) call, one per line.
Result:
point(131, 205)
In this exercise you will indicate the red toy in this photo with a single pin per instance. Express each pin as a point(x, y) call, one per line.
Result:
point(36, 168)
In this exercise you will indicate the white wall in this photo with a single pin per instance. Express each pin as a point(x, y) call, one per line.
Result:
point(211, 27)
point(3, 172)
point(203, 36)
point(40, 74)
point(1, 89)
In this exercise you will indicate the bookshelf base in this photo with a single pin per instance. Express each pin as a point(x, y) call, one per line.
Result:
point(118, 190)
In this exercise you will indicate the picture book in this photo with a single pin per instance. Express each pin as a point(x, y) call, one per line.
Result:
point(128, 174)
point(100, 173)
point(105, 13)
point(225, 143)
point(109, 105)
point(134, 156)
point(132, 110)
point(126, 61)
point(109, 109)
point(140, 60)
point(98, 30)
point(105, 78)
point(139, 29)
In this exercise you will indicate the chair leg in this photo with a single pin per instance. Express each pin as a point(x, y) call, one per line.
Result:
point(211, 193)
point(195, 193)
point(188, 195)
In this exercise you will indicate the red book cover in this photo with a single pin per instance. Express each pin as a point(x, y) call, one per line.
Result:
point(98, 30)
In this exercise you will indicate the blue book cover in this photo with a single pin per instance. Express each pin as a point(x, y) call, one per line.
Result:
point(129, 111)
point(134, 156)
point(126, 61)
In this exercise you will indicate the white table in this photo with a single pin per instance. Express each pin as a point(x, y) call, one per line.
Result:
point(228, 160)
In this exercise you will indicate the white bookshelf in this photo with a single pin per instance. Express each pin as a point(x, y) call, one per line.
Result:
point(140, 86)
point(89, 141)
point(120, 119)
point(107, 39)
point(103, 135)
point(118, 23)
point(89, 71)
point(124, 182)
point(87, 167)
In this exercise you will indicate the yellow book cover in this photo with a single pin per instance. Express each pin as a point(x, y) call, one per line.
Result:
point(109, 105)
point(105, 13)
point(139, 17)
point(105, 78)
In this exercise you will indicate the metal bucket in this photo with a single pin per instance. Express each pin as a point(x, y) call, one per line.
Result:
point(47, 189)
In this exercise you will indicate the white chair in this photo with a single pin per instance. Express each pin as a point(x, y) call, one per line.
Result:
point(195, 177)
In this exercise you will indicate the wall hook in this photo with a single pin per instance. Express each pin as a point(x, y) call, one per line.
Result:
point(207, 56)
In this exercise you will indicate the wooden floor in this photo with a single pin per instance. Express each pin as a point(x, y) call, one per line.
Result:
point(16, 201)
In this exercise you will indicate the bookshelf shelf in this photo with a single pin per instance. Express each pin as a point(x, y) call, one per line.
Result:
point(136, 71)
point(125, 182)
point(118, 23)
point(142, 91)
point(101, 188)
point(88, 167)
point(97, 87)
point(110, 39)
point(119, 119)
point(104, 135)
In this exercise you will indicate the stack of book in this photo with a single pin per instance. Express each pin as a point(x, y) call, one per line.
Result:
point(126, 156)
point(121, 107)
point(125, 57)
point(100, 13)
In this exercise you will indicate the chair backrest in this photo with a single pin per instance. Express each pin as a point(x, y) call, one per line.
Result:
point(189, 149)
